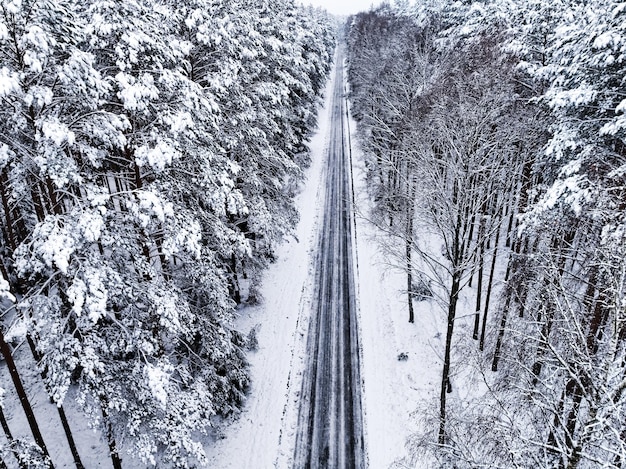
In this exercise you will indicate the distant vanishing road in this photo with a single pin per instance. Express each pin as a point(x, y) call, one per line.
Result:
point(330, 422)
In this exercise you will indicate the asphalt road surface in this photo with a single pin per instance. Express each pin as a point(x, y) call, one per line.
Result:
point(330, 422)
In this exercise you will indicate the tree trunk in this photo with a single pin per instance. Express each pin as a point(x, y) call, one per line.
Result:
point(489, 286)
point(54, 201)
point(543, 340)
point(409, 280)
point(500, 339)
point(70, 438)
point(470, 237)
point(577, 451)
point(166, 271)
point(479, 287)
point(505, 313)
point(115, 457)
point(446, 387)
point(236, 291)
point(21, 393)
point(556, 247)
point(4, 186)
point(572, 416)
point(409, 247)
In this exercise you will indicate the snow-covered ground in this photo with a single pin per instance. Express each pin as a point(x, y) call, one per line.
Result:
point(91, 447)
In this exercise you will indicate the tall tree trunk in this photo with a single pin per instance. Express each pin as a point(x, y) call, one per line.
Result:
point(572, 417)
point(501, 329)
point(577, 451)
point(55, 204)
point(236, 291)
point(21, 393)
point(479, 286)
point(598, 313)
point(445, 376)
point(35, 194)
point(505, 311)
point(70, 438)
point(113, 452)
point(408, 239)
point(166, 270)
point(470, 236)
point(409, 280)
point(551, 441)
point(595, 324)
point(544, 335)
point(6, 208)
point(494, 257)
point(556, 246)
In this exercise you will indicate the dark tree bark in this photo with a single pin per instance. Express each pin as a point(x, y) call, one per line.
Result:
point(479, 286)
point(494, 257)
point(505, 311)
point(113, 452)
point(409, 247)
point(446, 386)
point(6, 208)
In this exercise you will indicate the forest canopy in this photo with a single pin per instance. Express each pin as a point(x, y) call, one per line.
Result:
point(149, 154)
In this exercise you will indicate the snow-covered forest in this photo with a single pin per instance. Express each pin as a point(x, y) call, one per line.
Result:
point(149, 153)
point(494, 137)
point(151, 158)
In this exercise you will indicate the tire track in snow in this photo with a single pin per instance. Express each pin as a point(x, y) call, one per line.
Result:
point(330, 422)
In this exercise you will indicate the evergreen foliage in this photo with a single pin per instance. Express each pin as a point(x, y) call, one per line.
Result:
point(149, 151)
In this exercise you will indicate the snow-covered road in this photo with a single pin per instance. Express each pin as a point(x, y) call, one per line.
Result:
point(330, 421)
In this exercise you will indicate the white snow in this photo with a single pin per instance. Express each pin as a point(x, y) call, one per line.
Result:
point(9, 82)
point(4, 290)
point(158, 378)
point(57, 249)
point(151, 205)
point(158, 157)
point(135, 93)
point(17, 332)
point(56, 131)
point(91, 446)
point(5, 155)
point(89, 295)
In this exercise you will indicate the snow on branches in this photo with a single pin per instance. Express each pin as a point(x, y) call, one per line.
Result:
point(148, 155)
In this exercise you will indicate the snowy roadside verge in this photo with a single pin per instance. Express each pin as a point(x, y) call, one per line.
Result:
point(392, 388)
point(264, 434)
